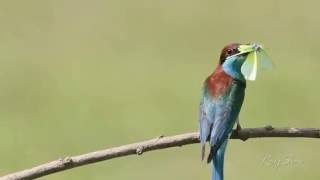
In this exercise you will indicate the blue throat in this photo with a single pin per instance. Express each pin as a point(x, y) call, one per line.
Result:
point(232, 66)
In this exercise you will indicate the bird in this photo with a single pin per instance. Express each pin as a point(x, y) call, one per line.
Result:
point(222, 96)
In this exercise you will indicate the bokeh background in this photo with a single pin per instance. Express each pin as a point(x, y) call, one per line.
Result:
point(78, 76)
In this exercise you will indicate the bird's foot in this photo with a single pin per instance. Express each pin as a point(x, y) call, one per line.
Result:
point(238, 128)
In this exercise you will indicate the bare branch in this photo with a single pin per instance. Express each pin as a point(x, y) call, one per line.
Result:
point(150, 145)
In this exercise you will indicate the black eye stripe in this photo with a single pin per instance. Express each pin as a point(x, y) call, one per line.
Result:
point(229, 52)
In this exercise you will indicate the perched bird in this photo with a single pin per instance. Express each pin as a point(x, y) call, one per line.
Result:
point(222, 97)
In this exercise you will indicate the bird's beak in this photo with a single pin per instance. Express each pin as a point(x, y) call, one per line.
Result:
point(247, 48)
point(257, 58)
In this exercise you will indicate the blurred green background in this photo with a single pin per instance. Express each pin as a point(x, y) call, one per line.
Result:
point(79, 76)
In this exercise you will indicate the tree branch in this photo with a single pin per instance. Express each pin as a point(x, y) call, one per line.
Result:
point(150, 145)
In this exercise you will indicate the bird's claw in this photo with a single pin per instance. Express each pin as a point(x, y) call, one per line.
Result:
point(238, 128)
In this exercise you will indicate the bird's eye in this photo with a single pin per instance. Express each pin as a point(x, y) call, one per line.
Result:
point(229, 52)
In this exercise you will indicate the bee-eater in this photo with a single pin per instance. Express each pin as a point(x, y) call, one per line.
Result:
point(222, 97)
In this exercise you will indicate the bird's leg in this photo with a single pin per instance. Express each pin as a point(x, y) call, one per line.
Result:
point(238, 128)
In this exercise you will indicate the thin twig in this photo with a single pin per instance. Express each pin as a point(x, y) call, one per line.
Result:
point(158, 143)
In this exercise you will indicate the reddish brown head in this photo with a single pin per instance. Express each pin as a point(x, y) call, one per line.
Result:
point(219, 81)
point(228, 50)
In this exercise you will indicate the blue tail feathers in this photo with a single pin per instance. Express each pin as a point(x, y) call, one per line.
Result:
point(218, 162)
